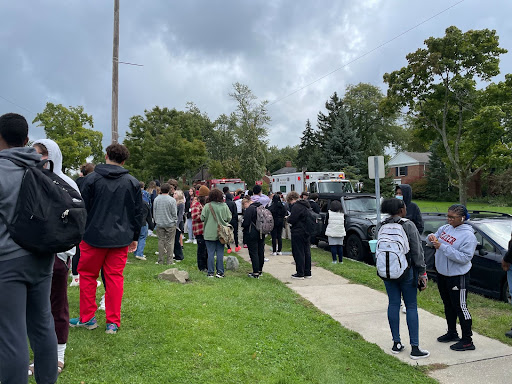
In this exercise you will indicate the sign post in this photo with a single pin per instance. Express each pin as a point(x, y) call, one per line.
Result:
point(376, 171)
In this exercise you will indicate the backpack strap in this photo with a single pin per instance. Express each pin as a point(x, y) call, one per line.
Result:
point(213, 213)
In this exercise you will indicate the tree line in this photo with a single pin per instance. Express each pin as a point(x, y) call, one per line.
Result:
point(443, 101)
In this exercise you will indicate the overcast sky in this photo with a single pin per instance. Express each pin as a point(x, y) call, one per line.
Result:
point(60, 51)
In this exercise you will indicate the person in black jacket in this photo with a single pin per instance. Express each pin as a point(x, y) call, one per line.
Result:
point(113, 200)
point(278, 213)
point(404, 192)
point(505, 263)
point(255, 242)
point(234, 220)
point(300, 238)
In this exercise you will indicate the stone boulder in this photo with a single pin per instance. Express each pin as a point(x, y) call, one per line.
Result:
point(232, 263)
point(174, 275)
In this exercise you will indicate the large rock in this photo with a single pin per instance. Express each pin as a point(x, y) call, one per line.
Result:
point(232, 263)
point(174, 275)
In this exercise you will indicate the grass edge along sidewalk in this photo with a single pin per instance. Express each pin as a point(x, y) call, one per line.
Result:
point(232, 330)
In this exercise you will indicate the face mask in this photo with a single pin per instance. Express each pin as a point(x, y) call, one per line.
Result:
point(399, 197)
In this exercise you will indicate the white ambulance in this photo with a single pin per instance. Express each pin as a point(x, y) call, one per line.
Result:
point(319, 182)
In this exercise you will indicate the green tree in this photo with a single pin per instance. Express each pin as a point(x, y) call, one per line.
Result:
point(342, 151)
point(277, 157)
point(325, 123)
point(71, 129)
point(438, 175)
point(375, 130)
point(309, 155)
point(439, 88)
point(166, 142)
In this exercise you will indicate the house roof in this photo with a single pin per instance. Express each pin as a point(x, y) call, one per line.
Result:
point(285, 170)
point(409, 158)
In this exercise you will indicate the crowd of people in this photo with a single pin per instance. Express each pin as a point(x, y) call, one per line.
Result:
point(122, 213)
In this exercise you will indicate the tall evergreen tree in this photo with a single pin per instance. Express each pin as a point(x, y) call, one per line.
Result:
point(325, 123)
point(309, 155)
point(438, 187)
point(342, 147)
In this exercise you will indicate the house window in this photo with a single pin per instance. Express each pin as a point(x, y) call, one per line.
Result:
point(401, 171)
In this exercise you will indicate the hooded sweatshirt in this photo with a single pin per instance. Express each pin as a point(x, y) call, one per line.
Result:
point(297, 218)
point(10, 185)
point(260, 198)
point(113, 200)
point(413, 211)
point(55, 155)
point(457, 248)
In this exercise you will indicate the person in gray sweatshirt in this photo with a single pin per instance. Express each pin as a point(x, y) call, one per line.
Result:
point(166, 217)
point(455, 245)
point(25, 278)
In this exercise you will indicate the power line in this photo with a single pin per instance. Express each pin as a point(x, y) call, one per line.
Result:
point(19, 106)
point(366, 54)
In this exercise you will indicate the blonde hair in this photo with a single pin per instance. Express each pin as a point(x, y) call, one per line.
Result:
point(179, 196)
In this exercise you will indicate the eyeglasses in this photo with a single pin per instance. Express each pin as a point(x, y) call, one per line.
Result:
point(452, 217)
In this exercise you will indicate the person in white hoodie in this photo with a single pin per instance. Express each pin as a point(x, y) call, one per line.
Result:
point(335, 231)
point(48, 149)
point(455, 245)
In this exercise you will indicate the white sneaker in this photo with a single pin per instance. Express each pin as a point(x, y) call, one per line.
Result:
point(98, 283)
point(274, 253)
point(194, 241)
point(280, 253)
point(314, 246)
point(188, 241)
point(404, 309)
point(335, 262)
point(101, 307)
point(75, 281)
point(141, 257)
point(265, 259)
point(156, 253)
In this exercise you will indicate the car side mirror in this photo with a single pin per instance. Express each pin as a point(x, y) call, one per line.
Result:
point(481, 250)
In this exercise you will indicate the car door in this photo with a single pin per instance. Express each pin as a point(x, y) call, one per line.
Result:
point(486, 270)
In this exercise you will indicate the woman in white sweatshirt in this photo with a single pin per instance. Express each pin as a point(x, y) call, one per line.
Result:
point(455, 245)
point(335, 231)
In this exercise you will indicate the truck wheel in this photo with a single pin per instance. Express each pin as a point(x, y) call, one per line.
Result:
point(355, 248)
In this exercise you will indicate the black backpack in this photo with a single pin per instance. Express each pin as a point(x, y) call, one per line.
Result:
point(50, 215)
point(314, 223)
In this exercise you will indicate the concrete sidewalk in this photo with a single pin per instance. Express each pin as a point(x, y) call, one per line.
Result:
point(364, 311)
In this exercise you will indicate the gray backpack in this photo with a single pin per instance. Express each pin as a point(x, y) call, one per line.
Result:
point(264, 220)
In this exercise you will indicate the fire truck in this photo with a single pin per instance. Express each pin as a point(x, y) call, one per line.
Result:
point(319, 182)
point(233, 184)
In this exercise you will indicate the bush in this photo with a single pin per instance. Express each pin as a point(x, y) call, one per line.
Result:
point(420, 189)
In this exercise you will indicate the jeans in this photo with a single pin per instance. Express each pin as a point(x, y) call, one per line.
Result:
point(337, 250)
point(142, 241)
point(25, 283)
point(407, 288)
point(509, 279)
point(215, 248)
point(189, 229)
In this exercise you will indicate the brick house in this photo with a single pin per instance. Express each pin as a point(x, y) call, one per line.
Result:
point(407, 167)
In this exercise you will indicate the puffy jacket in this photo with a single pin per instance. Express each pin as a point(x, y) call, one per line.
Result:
point(113, 200)
point(297, 217)
point(335, 224)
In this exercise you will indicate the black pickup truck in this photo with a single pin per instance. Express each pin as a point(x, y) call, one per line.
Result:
point(360, 220)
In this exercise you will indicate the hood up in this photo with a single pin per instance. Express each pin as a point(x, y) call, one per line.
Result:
point(406, 192)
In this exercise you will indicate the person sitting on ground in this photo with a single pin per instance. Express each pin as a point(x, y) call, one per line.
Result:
point(335, 231)
point(300, 237)
point(278, 214)
point(455, 245)
point(255, 242)
point(407, 286)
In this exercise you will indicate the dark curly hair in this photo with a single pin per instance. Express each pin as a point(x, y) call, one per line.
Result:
point(118, 153)
point(216, 195)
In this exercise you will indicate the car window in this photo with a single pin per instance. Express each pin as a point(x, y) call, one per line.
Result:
point(361, 204)
point(486, 244)
point(498, 230)
point(431, 226)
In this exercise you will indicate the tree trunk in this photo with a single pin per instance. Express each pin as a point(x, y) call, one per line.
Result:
point(463, 189)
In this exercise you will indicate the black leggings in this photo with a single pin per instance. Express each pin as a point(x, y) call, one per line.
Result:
point(277, 237)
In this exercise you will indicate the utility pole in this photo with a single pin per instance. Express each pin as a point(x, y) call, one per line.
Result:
point(115, 74)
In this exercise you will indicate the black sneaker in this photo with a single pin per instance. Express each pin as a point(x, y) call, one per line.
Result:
point(308, 276)
point(448, 337)
point(210, 275)
point(417, 353)
point(397, 347)
point(298, 277)
point(509, 333)
point(463, 346)
point(219, 275)
point(253, 275)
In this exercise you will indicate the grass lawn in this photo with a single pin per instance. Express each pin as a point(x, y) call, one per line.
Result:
point(442, 206)
point(231, 330)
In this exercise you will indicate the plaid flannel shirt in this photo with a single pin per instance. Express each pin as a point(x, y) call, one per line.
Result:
point(197, 224)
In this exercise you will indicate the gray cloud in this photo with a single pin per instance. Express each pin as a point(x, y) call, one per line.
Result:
point(60, 51)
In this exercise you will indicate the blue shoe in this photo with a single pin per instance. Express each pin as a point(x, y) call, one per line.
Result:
point(111, 329)
point(91, 324)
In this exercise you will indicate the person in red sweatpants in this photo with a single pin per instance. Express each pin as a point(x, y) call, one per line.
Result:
point(113, 200)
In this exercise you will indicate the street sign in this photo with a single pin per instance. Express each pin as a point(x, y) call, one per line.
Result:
point(372, 167)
